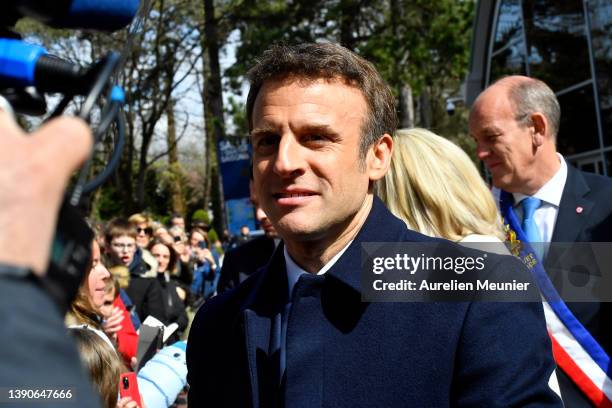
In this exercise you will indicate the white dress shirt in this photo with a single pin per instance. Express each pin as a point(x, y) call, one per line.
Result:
point(546, 216)
point(550, 194)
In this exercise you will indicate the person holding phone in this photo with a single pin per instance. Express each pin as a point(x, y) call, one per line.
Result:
point(106, 370)
point(206, 263)
point(128, 391)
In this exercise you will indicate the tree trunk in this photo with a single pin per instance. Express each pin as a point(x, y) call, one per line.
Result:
point(124, 171)
point(213, 106)
point(425, 108)
point(406, 107)
point(404, 90)
point(177, 201)
point(207, 133)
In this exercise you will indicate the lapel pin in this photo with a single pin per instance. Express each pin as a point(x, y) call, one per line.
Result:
point(579, 210)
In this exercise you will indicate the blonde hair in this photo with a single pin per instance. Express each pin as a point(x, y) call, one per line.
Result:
point(138, 218)
point(433, 186)
point(121, 274)
point(112, 285)
point(102, 362)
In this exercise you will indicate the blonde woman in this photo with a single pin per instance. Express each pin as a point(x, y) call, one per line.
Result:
point(433, 186)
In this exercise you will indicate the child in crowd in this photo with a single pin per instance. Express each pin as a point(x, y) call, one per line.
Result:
point(145, 293)
point(125, 335)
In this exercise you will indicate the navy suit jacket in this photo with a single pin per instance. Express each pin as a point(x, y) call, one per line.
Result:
point(585, 215)
point(239, 263)
point(342, 352)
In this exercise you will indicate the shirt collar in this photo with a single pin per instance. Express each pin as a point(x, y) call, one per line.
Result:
point(552, 191)
point(294, 270)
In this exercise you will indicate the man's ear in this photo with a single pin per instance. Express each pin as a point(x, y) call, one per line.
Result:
point(540, 128)
point(379, 157)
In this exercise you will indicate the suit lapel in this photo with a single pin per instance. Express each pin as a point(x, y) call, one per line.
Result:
point(256, 333)
point(380, 226)
point(270, 295)
point(262, 309)
point(574, 208)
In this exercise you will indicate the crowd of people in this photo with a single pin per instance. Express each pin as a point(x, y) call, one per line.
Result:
point(279, 319)
point(140, 268)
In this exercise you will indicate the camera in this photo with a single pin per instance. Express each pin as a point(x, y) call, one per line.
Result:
point(27, 73)
point(451, 104)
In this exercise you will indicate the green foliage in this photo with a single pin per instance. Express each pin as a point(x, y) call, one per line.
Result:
point(422, 44)
point(157, 193)
point(237, 111)
point(212, 235)
point(200, 215)
point(108, 205)
point(164, 219)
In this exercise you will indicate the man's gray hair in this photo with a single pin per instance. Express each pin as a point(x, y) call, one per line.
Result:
point(532, 95)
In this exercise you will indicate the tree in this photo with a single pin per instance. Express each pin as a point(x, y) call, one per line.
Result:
point(213, 111)
point(157, 64)
point(176, 186)
point(165, 57)
point(420, 47)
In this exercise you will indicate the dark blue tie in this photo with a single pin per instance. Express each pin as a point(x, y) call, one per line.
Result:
point(530, 204)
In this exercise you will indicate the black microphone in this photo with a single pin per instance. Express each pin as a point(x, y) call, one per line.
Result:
point(23, 65)
point(100, 15)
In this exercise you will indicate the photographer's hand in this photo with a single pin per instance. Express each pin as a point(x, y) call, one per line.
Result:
point(35, 171)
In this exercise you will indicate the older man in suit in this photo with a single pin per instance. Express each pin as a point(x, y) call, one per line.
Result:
point(515, 123)
point(297, 333)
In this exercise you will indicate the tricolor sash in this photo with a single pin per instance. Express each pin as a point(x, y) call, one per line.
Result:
point(576, 352)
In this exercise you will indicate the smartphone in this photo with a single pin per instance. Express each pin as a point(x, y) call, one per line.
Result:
point(128, 387)
point(202, 244)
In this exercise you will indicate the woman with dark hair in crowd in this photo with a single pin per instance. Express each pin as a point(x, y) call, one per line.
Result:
point(87, 307)
point(90, 297)
point(174, 295)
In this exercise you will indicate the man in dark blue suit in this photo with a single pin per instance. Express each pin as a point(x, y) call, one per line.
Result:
point(297, 333)
point(515, 124)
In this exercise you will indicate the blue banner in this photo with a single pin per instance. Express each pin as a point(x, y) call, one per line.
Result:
point(239, 213)
point(234, 161)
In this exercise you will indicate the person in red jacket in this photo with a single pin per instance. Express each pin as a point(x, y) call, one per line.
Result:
point(117, 323)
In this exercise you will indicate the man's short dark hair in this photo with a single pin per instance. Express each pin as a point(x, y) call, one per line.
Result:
point(314, 61)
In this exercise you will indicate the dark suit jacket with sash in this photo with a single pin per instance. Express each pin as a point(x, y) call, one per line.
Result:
point(342, 352)
point(592, 223)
